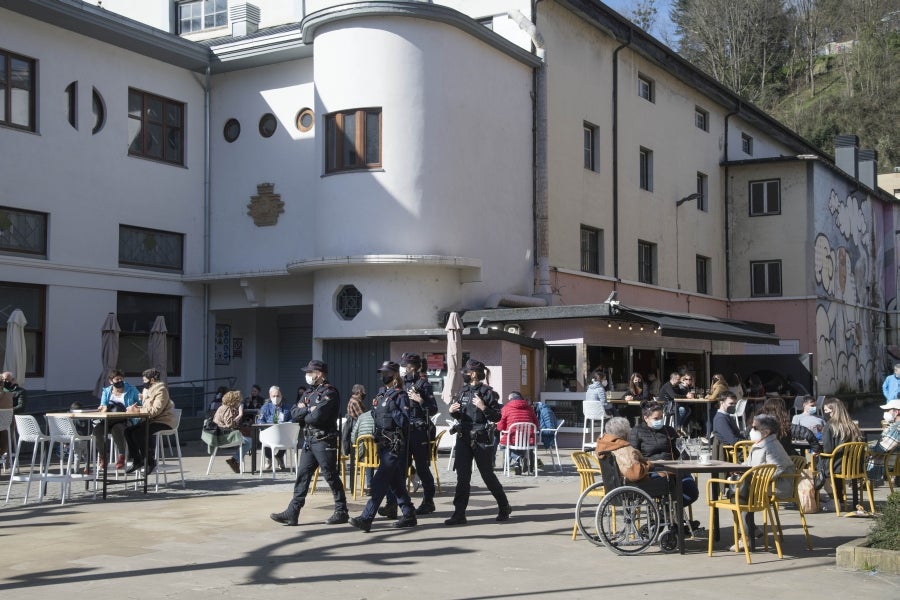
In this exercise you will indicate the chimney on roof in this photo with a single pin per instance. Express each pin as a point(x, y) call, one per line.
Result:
point(868, 168)
point(244, 19)
point(846, 148)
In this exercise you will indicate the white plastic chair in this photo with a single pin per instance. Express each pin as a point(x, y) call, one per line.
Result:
point(28, 432)
point(231, 445)
point(523, 437)
point(593, 411)
point(62, 432)
point(163, 439)
point(281, 436)
point(452, 436)
point(740, 411)
point(6, 421)
point(553, 447)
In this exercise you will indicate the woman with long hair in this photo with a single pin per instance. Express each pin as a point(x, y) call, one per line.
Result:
point(638, 389)
point(718, 388)
point(787, 432)
point(839, 429)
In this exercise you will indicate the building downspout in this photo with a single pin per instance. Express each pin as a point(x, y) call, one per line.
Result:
point(615, 155)
point(728, 209)
point(542, 288)
point(207, 218)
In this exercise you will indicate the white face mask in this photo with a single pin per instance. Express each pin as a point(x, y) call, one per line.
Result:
point(888, 417)
point(276, 399)
point(404, 371)
point(755, 435)
point(310, 379)
point(812, 410)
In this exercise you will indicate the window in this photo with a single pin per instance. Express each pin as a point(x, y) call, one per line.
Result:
point(306, 118)
point(591, 250)
point(202, 14)
point(590, 147)
point(703, 275)
point(646, 169)
point(348, 302)
point(646, 262)
point(72, 104)
point(17, 91)
point(765, 197)
point(267, 125)
point(765, 278)
point(98, 107)
point(136, 314)
point(155, 127)
point(701, 118)
point(747, 144)
point(31, 300)
point(646, 88)
point(231, 130)
point(23, 232)
point(703, 192)
point(353, 140)
point(150, 249)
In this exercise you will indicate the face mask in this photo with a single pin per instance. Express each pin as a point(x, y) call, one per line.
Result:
point(730, 410)
point(812, 410)
point(755, 435)
point(276, 400)
point(826, 415)
point(119, 385)
point(888, 417)
point(404, 371)
point(657, 424)
point(603, 383)
point(387, 378)
point(310, 379)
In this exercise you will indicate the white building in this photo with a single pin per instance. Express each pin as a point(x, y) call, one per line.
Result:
point(330, 180)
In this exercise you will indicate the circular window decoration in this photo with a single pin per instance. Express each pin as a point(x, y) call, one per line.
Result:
point(306, 118)
point(348, 302)
point(267, 125)
point(232, 130)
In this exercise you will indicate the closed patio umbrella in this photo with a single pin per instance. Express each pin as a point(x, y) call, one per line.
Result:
point(452, 382)
point(156, 346)
point(109, 350)
point(14, 361)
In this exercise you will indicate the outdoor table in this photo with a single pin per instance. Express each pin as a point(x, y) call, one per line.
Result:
point(105, 418)
point(681, 468)
point(706, 401)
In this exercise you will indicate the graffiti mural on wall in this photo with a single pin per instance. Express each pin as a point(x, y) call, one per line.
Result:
point(849, 305)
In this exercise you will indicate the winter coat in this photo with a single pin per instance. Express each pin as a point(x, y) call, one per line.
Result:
point(515, 411)
point(654, 444)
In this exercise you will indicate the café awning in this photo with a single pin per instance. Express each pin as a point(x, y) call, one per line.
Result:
point(703, 327)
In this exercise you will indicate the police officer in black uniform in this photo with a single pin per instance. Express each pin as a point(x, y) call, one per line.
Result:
point(422, 406)
point(317, 411)
point(391, 413)
point(476, 410)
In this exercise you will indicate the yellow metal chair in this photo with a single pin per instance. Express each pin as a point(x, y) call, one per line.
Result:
point(852, 457)
point(740, 451)
point(434, 458)
point(892, 469)
point(589, 470)
point(366, 458)
point(797, 475)
point(759, 482)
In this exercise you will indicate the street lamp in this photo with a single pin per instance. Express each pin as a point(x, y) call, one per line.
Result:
point(678, 203)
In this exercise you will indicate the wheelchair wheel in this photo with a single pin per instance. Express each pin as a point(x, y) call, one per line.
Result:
point(668, 540)
point(586, 510)
point(627, 520)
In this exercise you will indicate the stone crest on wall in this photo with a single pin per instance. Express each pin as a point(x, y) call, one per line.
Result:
point(265, 206)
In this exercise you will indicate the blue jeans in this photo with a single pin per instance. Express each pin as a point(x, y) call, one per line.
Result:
point(245, 448)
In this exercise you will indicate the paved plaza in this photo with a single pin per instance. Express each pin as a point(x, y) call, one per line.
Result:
point(215, 538)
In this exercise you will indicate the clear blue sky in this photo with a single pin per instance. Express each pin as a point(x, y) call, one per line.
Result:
point(663, 25)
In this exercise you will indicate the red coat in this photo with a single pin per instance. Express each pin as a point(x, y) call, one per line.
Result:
point(516, 411)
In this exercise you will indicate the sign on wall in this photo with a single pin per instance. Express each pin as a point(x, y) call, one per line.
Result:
point(223, 344)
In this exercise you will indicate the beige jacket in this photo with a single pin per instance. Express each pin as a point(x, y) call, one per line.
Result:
point(158, 405)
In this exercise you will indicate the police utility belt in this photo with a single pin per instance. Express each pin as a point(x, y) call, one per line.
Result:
point(312, 433)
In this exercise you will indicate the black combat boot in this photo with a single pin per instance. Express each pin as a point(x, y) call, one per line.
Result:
point(285, 517)
point(360, 523)
point(388, 510)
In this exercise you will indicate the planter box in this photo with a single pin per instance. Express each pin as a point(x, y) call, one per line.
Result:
point(859, 557)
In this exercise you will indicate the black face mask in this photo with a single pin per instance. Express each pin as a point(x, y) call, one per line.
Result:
point(387, 378)
point(119, 385)
point(730, 410)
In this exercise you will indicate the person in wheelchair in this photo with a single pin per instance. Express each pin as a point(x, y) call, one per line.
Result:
point(634, 468)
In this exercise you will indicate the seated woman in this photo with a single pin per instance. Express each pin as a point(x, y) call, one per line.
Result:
point(656, 441)
point(638, 389)
point(767, 450)
point(718, 388)
point(635, 469)
point(229, 416)
point(839, 429)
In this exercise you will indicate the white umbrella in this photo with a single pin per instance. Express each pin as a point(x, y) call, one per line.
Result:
point(109, 350)
point(453, 382)
point(156, 346)
point(14, 361)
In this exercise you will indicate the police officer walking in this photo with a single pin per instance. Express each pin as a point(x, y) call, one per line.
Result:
point(422, 406)
point(476, 408)
point(391, 413)
point(317, 411)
